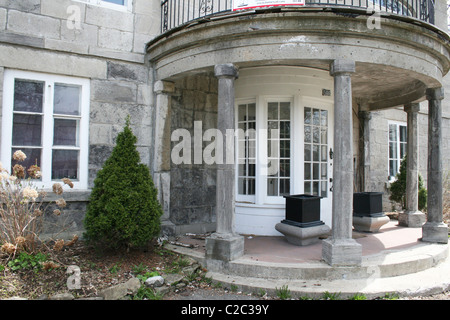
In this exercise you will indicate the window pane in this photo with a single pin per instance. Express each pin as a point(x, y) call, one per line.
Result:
point(308, 134)
point(65, 133)
point(285, 148)
point(316, 171)
point(316, 135)
point(272, 187)
point(285, 168)
point(121, 2)
point(28, 95)
point(26, 130)
point(392, 150)
point(285, 110)
point(65, 164)
point(402, 150)
point(307, 189)
point(272, 111)
point(307, 115)
point(241, 186)
point(315, 190)
point(307, 171)
point(403, 135)
point(252, 111)
point(285, 129)
point(67, 99)
point(251, 186)
point(392, 132)
point(323, 118)
point(324, 136)
point(284, 187)
point(33, 157)
point(316, 117)
point(323, 153)
point(307, 152)
point(323, 171)
point(323, 186)
point(315, 152)
point(242, 112)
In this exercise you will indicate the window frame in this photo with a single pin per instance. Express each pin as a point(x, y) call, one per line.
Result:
point(397, 124)
point(127, 6)
point(47, 130)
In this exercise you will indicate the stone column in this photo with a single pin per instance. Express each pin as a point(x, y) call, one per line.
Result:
point(341, 249)
point(434, 230)
point(161, 158)
point(224, 244)
point(412, 217)
point(364, 147)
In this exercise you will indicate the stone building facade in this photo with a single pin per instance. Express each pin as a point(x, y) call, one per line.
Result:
point(101, 42)
point(336, 85)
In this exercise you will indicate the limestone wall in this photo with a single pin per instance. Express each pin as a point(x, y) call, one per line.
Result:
point(193, 186)
point(106, 46)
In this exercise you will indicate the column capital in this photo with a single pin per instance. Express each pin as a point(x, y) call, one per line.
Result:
point(342, 66)
point(411, 107)
point(435, 93)
point(162, 86)
point(226, 70)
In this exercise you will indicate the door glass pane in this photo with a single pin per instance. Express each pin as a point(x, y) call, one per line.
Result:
point(65, 132)
point(65, 164)
point(67, 99)
point(272, 187)
point(307, 152)
point(246, 167)
point(278, 148)
point(28, 95)
point(284, 187)
point(316, 151)
point(27, 130)
point(307, 187)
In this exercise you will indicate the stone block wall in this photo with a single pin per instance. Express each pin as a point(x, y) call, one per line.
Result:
point(106, 46)
point(193, 186)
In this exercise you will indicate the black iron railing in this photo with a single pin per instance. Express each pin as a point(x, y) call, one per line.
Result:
point(175, 13)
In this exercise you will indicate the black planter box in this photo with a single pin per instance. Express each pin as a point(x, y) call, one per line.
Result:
point(303, 210)
point(368, 204)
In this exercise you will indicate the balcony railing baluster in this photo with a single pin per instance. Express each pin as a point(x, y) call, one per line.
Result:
point(175, 13)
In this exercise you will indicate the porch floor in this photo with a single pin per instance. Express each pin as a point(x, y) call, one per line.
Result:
point(391, 236)
point(394, 260)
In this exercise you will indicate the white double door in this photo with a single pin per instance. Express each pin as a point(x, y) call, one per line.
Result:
point(291, 153)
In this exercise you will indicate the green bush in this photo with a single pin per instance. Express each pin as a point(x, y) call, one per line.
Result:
point(123, 209)
point(398, 188)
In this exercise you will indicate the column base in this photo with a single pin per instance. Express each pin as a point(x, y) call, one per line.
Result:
point(224, 247)
point(411, 219)
point(342, 252)
point(436, 232)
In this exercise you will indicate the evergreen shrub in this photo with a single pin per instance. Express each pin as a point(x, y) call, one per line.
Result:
point(123, 209)
point(397, 188)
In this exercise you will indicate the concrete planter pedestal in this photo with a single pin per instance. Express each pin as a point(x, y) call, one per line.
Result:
point(302, 236)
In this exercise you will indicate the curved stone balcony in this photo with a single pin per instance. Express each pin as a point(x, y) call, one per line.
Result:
point(395, 63)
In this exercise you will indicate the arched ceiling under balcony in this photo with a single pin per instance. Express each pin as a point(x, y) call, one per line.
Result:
point(394, 64)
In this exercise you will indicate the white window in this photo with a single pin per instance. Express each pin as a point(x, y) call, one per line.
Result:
point(112, 4)
point(397, 146)
point(47, 117)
